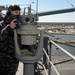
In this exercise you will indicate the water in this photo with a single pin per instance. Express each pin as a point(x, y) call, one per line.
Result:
point(65, 37)
point(70, 48)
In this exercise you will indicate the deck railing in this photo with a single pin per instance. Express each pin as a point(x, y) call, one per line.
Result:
point(49, 57)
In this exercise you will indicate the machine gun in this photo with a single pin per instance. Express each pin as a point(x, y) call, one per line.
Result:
point(29, 32)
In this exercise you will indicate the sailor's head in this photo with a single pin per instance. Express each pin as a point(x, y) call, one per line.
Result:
point(14, 9)
point(12, 13)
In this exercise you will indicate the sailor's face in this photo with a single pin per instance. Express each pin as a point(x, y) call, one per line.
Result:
point(16, 12)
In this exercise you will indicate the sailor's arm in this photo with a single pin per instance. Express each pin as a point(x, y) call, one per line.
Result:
point(5, 30)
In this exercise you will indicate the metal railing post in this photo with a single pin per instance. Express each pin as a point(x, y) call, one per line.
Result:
point(49, 72)
point(45, 46)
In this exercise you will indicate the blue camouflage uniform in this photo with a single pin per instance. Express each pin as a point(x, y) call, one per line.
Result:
point(8, 62)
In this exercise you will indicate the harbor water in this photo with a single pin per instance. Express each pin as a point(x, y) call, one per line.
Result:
point(70, 47)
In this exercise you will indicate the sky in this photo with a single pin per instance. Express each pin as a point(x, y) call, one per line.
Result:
point(48, 5)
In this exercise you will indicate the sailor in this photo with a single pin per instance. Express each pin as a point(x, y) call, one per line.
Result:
point(8, 62)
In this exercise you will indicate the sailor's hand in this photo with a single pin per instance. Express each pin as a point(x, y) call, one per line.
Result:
point(12, 24)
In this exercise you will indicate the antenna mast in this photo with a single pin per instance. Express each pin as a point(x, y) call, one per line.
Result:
point(37, 10)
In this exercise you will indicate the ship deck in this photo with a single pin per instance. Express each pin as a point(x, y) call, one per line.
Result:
point(64, 64)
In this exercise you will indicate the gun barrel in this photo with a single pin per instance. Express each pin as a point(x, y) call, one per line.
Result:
point(56, 12)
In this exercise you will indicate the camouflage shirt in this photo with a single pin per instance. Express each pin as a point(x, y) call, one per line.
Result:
point(8, 62)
